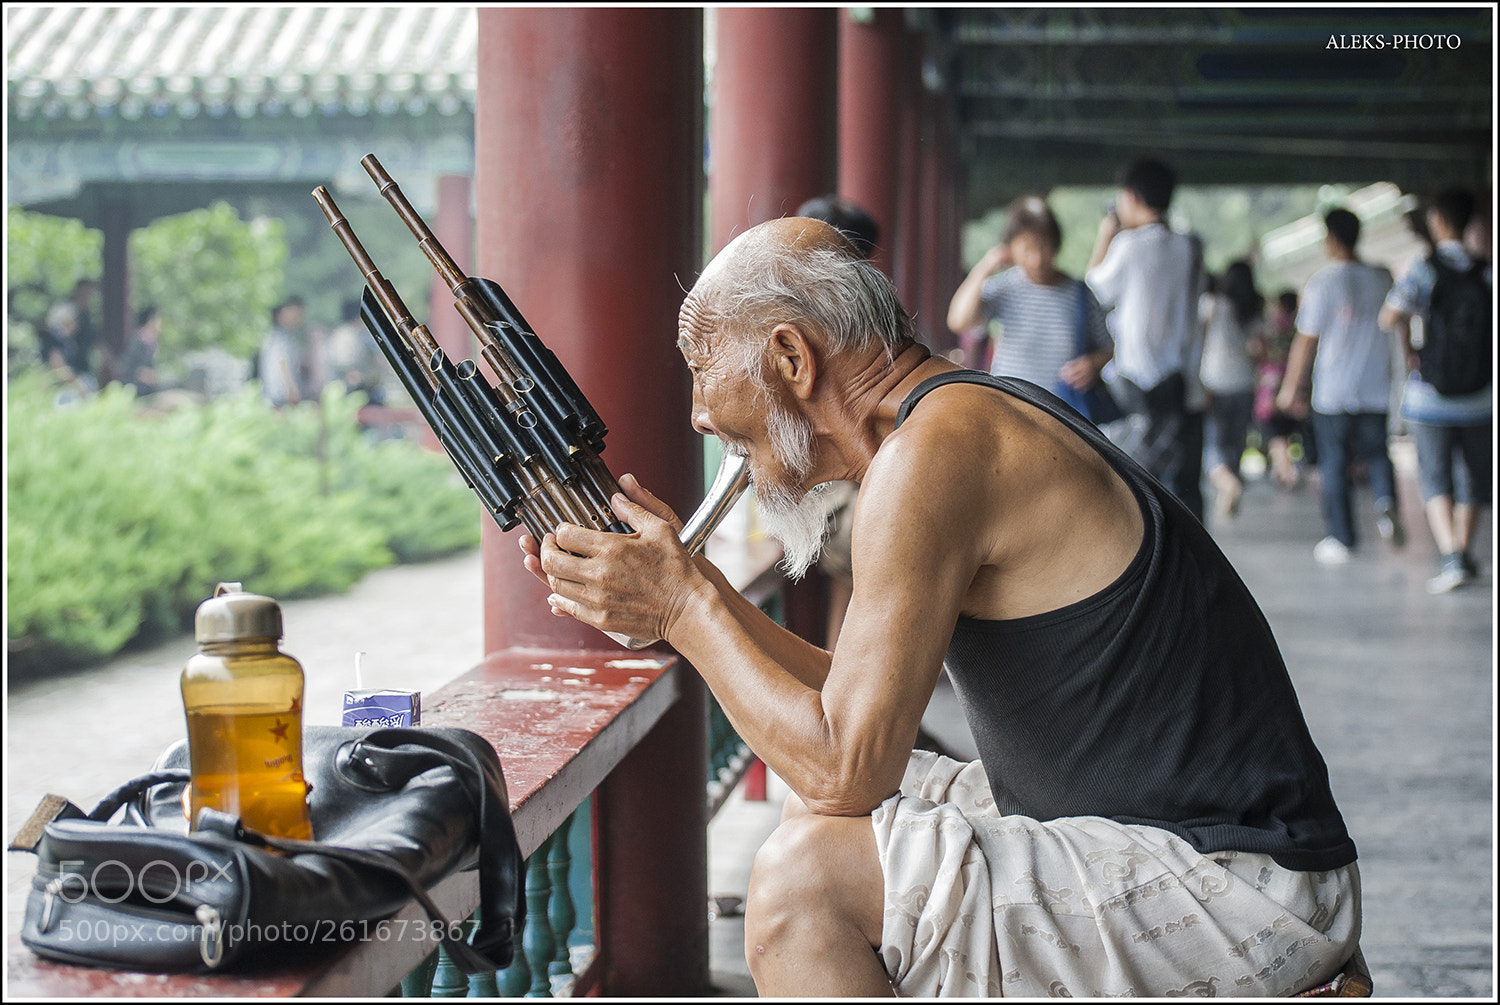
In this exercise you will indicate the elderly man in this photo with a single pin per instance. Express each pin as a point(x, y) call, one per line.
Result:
point(1150, 815)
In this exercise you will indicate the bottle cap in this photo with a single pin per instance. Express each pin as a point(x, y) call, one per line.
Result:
point(233, 614)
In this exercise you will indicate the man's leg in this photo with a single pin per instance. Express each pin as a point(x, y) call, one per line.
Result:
point(1333, 461)
point(1472, 492)
point(1372, 434)
point(815, 908)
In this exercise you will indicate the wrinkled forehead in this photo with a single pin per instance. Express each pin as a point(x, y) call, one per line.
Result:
point(697, 326)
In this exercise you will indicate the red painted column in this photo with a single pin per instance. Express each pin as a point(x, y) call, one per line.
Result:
point(869, 120)
point(773, 144)
point(454, 227)
point(930, 207)
point(938, 283)
point(773, 124)
point(908, 276)
point(588, 150)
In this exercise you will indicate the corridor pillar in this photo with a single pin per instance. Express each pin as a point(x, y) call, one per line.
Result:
point(588, 152)
point(773, 124)
point(869, 119)
point(773, 144)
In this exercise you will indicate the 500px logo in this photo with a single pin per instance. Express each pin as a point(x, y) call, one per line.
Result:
point(1393, 42)
point(112, 881)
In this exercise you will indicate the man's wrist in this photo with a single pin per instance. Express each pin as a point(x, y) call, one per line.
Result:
point(695, 607)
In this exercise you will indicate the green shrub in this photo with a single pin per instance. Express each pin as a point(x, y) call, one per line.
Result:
point(121, 521)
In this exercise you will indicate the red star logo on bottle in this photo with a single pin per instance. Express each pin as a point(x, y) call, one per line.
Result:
point(279, 731)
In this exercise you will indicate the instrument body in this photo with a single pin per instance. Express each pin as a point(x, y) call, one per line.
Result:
point(526, 443)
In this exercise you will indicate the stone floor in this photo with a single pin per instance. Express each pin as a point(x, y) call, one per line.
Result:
point(1398, 688)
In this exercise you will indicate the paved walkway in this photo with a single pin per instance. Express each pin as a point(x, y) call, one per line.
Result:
point(1397, 686)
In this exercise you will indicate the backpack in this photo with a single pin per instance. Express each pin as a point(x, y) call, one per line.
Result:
point(1458, 343)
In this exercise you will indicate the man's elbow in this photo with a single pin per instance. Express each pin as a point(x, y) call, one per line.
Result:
point(846, 797)
point(959, 322)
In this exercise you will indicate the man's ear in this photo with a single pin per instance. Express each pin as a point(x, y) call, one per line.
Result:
point(795, 360)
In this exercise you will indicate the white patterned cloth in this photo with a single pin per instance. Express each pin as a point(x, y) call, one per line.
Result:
point(982, 904)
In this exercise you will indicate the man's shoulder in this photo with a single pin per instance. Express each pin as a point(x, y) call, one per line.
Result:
point(951, 423)
point(1324, 276)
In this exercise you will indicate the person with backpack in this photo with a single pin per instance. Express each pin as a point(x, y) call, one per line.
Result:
point(1448, 398)
point(1349, 353)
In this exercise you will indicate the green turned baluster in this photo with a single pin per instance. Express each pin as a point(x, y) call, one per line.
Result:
point(537, 939)
point(562, 915)
point(448, 980)
point(481, 985)
point(581, 880)
point(418, 983)
point(515, 980)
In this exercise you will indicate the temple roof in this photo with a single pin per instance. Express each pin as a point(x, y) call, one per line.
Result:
point(244, 61)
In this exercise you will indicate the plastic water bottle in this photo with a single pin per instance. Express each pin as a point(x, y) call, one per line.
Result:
point(243, 700)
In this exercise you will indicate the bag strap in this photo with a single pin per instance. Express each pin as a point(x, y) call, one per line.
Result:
point(107, 806)
point(469, 959)
point(498, 871)
point(1082, 327)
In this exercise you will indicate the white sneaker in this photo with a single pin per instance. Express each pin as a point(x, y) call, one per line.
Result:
point(1330, 551)
point(1388, 522)
point(1452, 575)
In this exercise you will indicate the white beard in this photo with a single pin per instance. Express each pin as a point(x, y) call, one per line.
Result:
point(799, 520)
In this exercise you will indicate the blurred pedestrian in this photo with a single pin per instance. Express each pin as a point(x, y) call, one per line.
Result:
point(1052, 330)
point(281, 358)
point(1233, 317)
point(1151, 276)
point(1277, 428)
point(349, 354)
point(1340, 339)
point(67, 340)
point(1453, 426)
point(138, 360)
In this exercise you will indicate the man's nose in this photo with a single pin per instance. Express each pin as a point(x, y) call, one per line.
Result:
point(700, 421)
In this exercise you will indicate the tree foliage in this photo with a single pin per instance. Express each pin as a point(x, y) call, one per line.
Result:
point(44, 257)
point(214, 276)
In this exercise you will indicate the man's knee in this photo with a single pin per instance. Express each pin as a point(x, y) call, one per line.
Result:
point(790, 865)
point(814, 867)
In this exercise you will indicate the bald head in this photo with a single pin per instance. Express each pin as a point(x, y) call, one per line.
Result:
point(801, 271)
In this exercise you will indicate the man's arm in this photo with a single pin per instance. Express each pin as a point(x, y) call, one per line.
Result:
point(1108, 228)
point(1298, 364)
point(964, 308)
point(1398, 322)
point(842, 747)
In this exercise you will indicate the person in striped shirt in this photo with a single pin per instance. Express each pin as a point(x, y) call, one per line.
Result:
point(1043, 316)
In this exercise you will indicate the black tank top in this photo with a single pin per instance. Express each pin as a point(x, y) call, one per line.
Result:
point(1161, 700)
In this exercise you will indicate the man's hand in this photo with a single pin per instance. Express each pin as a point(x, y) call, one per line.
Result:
point(1109, 227)
point(1290, 402)
point(633, 584)
point(964, 309)
point(1081, 372)
point(997, 258)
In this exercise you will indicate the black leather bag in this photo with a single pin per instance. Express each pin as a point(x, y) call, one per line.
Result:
point(394, 812)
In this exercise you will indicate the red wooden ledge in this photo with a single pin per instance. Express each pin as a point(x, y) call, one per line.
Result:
point(561, 722)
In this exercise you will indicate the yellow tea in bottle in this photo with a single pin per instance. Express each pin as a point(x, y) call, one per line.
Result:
point(243, 700)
